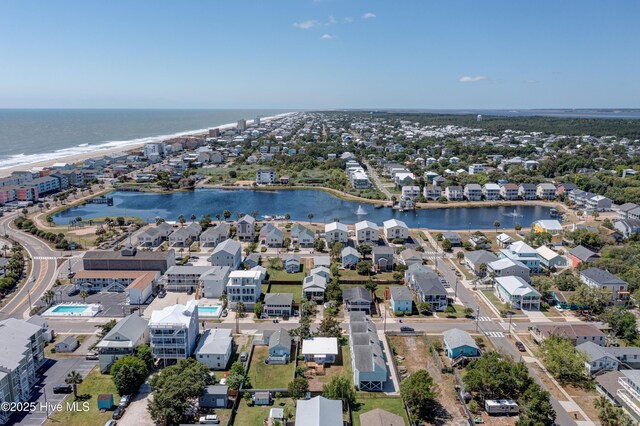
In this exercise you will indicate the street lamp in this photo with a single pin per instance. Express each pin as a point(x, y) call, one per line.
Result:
point(510, 317)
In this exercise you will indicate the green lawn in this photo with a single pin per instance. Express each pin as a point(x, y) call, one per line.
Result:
point(255, 415)
point(96, 383)
point(286, 288)
point(491, 295)
point(382, 287)
point(278, 273)
point(342, 366)
point(268, 376)
point(352, 274)
point(459, 313)
point(390, 404)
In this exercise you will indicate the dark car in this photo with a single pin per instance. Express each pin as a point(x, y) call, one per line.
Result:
point(520, 346)
point(118, 413)
point(62, 389)
point(162, 294)
point(406, 329)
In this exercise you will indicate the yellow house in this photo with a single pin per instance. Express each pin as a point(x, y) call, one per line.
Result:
point(553, 227)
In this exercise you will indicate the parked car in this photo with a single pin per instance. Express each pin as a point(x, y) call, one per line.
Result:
point(520, 346)
point(225, 313)
point(406, 329)
point(118, 413)
point(209, 419)
point(91, 356)
point(73, 292)
point(243, 356)
point(110, 423)
point(125, 400)
point(162, 294)
point(62, 389)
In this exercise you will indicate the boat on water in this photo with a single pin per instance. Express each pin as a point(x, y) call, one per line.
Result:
point(379, 206)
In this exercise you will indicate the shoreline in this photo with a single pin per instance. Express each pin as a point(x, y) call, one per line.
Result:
point(99, 152)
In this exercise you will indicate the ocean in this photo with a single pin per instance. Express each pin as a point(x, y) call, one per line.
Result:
point(29, 136)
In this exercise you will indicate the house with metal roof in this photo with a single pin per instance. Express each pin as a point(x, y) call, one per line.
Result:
point(429, 289)
point(367, 358)
point(227, 253)
point(122, 340)
point(314, 287)
point(367, 232)
point(517, 292)
point(524, 253)
point(336, 232)
point(395, 229)
point(319, 411)
point(321, 350)
point(459, 343)
point(506, 267)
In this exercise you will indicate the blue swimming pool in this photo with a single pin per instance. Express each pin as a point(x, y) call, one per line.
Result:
point(209, 311)
point(65, 309)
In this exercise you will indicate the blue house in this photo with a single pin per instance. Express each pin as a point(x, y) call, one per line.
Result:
point(459, 343)
point(401, 300)
point(350, 257)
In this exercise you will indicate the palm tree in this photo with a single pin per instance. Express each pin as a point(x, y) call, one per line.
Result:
point(48, 296)
point(193, 217)
point(226, 214)
point(483, 268)
point(219, 217)
point(254, 213)
point(159, 220)
point(310, 216)
point(74, 379)
point(83, 294)
point(460, 255)
point(517, 227)
point(287, 217)
point(496, 225)
point(4, 249)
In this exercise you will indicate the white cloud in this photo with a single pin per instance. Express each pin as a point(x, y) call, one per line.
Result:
point(305, 25)
point(348, 20)
point(531, 81)
point(472, 78)
point(369, 15)
point(332, 20)
point(327, 37)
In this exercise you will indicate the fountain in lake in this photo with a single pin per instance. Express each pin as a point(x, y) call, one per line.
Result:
point(514, 213)
point(361, 211)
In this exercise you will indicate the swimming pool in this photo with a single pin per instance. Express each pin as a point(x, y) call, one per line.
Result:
point(73, 310)
point(209, 311)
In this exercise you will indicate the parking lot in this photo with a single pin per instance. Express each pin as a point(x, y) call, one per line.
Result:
point(53, 374)
point(113, 304)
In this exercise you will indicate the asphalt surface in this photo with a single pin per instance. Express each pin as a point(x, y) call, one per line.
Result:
point(43, 271)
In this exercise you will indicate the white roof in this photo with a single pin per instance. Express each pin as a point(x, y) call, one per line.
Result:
point(320, 346)
point(335, 226)
point(391, 223)
point(365, 224)
point(546, 253)
point(505, 262)
point(504, 238)
point(245, 274)
point(520, 247)
point(175, 314)
point(550, 224)
point(516, 286)
point(492, 186)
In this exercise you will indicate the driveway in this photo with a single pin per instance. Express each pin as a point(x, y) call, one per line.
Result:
point(137, 414)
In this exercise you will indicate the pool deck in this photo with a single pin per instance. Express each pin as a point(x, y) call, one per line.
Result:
point(73, 310)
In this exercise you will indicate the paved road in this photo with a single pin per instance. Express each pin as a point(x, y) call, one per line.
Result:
point(495, 330)
point(43, 271)
point(376, 180)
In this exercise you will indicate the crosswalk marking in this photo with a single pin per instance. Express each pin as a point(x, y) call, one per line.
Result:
point(494, 333)
point(46, 258)
point(485, 319)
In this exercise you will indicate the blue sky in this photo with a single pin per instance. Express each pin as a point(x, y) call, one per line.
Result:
point(319, 54)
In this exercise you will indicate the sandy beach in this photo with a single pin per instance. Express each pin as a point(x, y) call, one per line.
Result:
point(73, 159)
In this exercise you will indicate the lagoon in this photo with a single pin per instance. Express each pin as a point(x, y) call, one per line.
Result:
point(298, 203)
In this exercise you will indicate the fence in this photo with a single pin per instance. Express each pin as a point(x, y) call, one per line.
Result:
point(395, 364)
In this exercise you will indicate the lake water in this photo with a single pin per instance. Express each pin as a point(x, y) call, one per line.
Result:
point(298, 204)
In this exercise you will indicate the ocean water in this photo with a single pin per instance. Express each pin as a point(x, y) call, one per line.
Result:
point(31, 135)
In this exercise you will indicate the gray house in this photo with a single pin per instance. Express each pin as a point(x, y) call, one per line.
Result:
point(382, 257)
point(228, 253)
point(122, 340)
point(319, 411)
point(357, 299)
point(68, 344)
point(429, 289)
point(245, 229)
point(291, 263)
point(277, 304)
point(215, 235)
point(280, 347)
point(367, 359)
point(476, 258)
point(214, 396)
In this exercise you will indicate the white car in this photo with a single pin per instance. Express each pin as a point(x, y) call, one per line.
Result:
point(209, 419)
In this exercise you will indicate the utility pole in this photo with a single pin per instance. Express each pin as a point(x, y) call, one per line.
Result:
point(455, 293)
point(510, 316)
point(477, 318)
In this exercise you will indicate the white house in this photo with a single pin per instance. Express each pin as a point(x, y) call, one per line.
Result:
point(122, 340)
point(395, 229)
point(518, 293)
point(336, 232)
point(174, 331)
point(214, 281)
point(245, 287)
point(367, 232)
point(266, 177)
